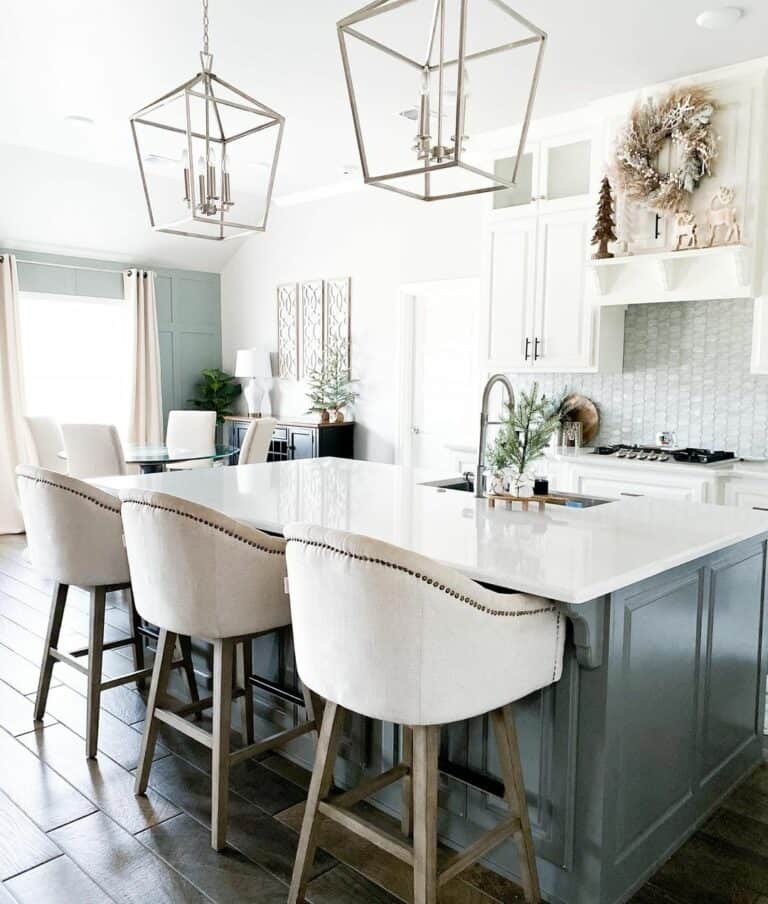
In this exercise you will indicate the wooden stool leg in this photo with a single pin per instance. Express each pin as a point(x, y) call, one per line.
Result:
point(223, 654)
point(51, 643)
point(95, 658)
point(185, 643)
point(406, 757)
point(426, 745)
point(162, 668)
point(138, 639)
point(322, 777)
point(314, 705)
point(503, 721)
point(244, 668)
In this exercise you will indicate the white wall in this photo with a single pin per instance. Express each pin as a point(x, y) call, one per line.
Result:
point(382, 241)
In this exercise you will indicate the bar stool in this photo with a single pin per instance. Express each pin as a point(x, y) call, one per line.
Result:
point(397, 637)
point(74, 538)
point(197, 572)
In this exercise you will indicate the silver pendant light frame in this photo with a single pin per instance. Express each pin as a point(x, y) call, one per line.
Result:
point(202, 88)
point(346, 30)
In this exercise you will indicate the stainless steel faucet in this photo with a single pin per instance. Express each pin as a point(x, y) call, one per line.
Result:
point(484, 424)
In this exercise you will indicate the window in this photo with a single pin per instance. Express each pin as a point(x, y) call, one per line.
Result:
point(75, 350)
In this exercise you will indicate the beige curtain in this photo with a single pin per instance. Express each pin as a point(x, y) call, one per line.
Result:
point(11, 397)
point(145, 416)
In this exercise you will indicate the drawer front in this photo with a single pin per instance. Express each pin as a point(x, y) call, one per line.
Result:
point(280, 435)
point(747, 495)
point(619, 487)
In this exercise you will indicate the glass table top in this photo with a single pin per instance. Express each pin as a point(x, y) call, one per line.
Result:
point(137, 455)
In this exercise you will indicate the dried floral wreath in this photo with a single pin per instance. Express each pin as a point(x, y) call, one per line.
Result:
point(683, 117)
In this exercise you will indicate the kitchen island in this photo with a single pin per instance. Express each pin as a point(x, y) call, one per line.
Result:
point(660, 708)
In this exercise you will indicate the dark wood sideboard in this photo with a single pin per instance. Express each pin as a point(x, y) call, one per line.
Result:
point(293, 438)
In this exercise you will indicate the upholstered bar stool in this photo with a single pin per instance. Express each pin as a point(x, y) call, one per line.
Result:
point(198, 572)
point(74, 538)
point(395, 636)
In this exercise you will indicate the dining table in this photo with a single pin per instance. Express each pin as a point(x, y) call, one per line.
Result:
point(154, 459)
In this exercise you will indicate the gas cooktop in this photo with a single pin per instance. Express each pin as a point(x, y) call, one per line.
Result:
point(659, 453)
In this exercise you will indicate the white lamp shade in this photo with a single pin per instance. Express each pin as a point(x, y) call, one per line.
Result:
point(253, 362)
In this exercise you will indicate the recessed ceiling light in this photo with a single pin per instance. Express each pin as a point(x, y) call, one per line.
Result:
point(79, 120)
point(717, 19)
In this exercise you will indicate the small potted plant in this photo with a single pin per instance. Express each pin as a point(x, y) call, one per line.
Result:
point(216, 392)
point(523, 437)
point(330, 387)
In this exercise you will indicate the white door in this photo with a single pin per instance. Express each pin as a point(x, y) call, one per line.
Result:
point(563, 333)
point(511, 278)
point(442, 392)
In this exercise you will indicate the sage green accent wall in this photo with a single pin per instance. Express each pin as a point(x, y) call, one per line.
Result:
point(188, 311)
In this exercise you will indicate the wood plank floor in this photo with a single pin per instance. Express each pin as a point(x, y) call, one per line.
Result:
point(72, 831)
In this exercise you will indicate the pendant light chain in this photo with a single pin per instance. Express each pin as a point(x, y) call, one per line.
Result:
point(205, 26)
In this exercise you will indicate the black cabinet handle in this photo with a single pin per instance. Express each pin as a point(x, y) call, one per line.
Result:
point(536, 346)
point(527, 347)
point(634, 495)
point(759, 508)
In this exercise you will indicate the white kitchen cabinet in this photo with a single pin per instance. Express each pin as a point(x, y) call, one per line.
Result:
point(538, 314)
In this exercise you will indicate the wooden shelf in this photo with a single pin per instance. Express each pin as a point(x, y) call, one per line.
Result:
point(673, 275)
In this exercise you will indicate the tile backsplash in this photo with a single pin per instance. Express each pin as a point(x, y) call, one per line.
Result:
point(686, 368)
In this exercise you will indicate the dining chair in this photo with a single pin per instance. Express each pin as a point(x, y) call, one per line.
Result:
point(47, 443)
point(198, 572)
point(193, 430)
point(93, 450)
point(256, 441)
point(397, 637)
point(75, 539)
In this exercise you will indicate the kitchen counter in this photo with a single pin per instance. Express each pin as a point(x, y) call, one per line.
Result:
point(721, 470)
point(659, 711)
point(570, 555)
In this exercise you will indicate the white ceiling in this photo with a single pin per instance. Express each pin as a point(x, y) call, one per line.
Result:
point(107, 58)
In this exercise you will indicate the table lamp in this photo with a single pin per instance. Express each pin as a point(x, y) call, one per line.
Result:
point(255, 364)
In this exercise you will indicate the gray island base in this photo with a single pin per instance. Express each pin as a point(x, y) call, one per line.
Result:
point(659, 712)
point(658, 715)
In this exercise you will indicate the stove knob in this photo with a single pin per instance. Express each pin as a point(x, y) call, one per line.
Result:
point(621, 455)
point(642, 456)
point(631, 454)
point(663, 458)
point(653, 457)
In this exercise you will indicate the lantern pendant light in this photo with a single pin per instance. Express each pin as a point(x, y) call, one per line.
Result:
point(207, 155)
point(382, 50)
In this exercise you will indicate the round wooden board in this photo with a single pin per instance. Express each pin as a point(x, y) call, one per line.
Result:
point(579, 408)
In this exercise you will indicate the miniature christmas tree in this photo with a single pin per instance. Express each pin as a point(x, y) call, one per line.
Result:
point(604, 224)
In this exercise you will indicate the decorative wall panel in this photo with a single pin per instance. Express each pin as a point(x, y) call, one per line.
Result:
point(288, 331)
point(312, 326)
point(337, 311)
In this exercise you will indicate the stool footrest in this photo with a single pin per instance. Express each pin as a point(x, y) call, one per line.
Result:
point(111, 645)
point(368, 787)
point(485, 843)
point(275, 740)
point(69, 659)
point(364, 829)
point(188, 728)
point(126, 679)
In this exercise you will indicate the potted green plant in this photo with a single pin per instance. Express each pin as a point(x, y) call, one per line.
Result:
point(525, 433)
point(215, 392)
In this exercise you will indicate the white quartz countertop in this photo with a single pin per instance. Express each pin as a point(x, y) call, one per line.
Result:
point(571, 555)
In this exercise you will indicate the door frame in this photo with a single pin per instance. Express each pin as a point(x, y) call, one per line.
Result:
point(405, 356)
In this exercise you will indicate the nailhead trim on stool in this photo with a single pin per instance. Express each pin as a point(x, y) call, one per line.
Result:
point(58, 486)
point(221, 530)
point(422, 577)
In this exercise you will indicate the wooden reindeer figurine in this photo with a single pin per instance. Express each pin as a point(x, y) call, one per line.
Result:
point(722, 214)
point(685, 230)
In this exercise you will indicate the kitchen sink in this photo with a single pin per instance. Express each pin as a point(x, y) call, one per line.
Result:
point(571, 500)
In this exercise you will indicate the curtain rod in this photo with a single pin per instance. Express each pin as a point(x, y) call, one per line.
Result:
point(20, 260)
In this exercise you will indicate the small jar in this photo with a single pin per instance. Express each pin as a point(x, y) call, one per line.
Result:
point(540, 486)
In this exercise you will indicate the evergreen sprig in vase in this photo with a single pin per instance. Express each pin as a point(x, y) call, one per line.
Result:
point(330, 386)
point(524, 436)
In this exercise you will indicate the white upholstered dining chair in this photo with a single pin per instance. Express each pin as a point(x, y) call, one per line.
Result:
point(256, 442)
point(395, 636)
point(75, 538)
point(93, 450)
point(191, 430)
point(47, 443)
point(198, 572)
